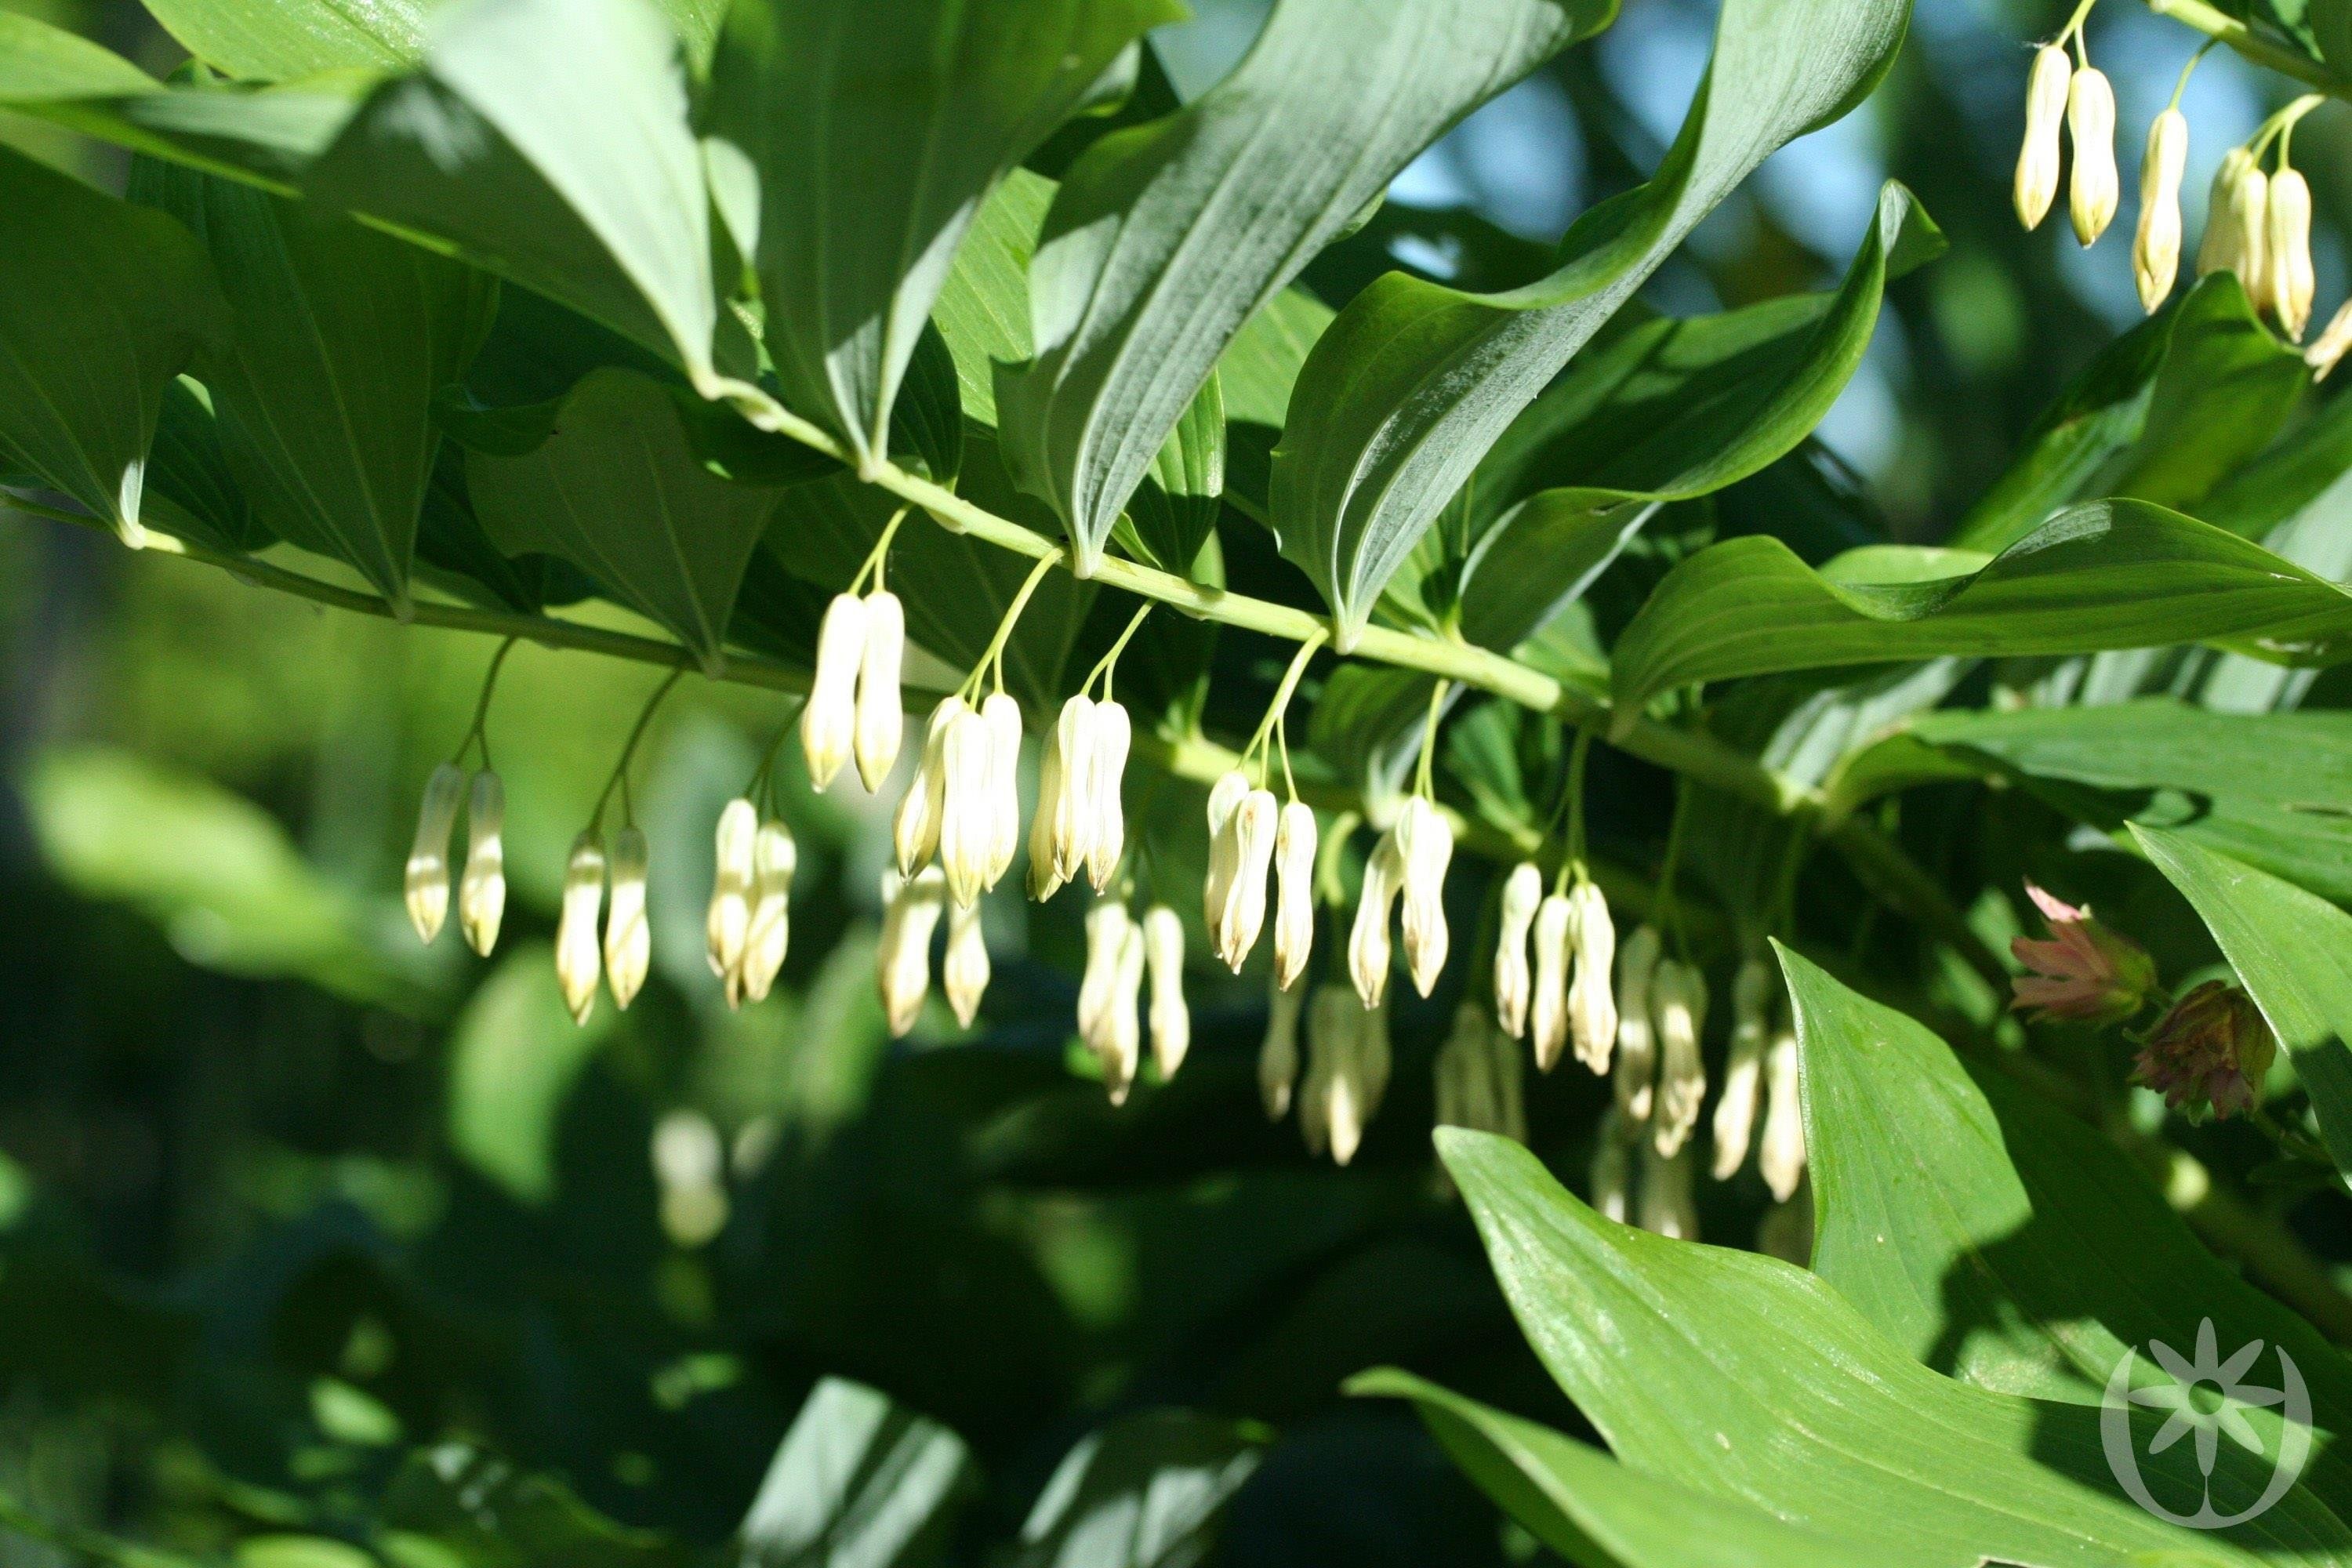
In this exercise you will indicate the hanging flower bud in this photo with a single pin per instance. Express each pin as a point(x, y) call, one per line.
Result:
point(2091, 124)
point(881, 712)
point(1106, 924)
point(628, 940)
point(426, 883)
point(482, 890)
point(1735, 1111)
point(1426, 841)
point(1277, 1057)
point(1635, 1076)
point(829, 719)
point(1554, 952)
point(1367, 940)
point(579, 959)
point(967, 810)
point(2209, 1053)
point(1612, 1166)
point(2038, 157)
point(1163, 958)
point(2156, 247)
point(1118, 1037)
point(964, 975)
point(2287, 244)
point(2086, 970)
point(1666, 1207)
point(2237, 225)
point(1253, 833)
point(1373, 1059)
point(1522, 894)
point(1507, 1071)
point(902, 959)
point(1293, 892)
point(1591, 1002)
point(1678, 1013)
point(1780, 1157)
point(1224, 797)
point(1057, 833)
point(769, 932)
point(2332, 340)
point(730, 919)
point(915, 831)
point(1002, 716)
point(1332, 1113)
point(1106, 775)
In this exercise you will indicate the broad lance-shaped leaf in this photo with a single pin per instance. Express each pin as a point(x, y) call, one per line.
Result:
point(2103, 575)
point(1407, 390)
point(325, 395)
point(858, 1478)
point(2294, 951)
point(1146, 1492)
point(103, 304)
point(191, 491)
point(271, 40)
point(1996, 1237)
point(875, 130)
point(1164, 240)
point(549, 141)
point(1752, 1381)
point(622, 491)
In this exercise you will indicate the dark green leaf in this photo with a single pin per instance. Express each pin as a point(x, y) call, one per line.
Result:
point(1145, 1491)
point(1176, 507)
point(191, 490)
point(1256, 373)
point(481, 1509)
point(859, 1478)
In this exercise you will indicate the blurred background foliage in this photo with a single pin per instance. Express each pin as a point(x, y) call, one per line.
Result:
point(301, 1225)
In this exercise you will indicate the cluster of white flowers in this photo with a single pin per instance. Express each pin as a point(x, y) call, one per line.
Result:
point(482, 888)
point(854, 703)
point(1566, 996)
point(750, 924)
point(1080, 824)
point(1347, 1060)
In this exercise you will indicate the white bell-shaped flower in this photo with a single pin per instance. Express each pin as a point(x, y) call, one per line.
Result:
point(1678, 1013)
point(1591, 996)
point(1425, 839)
point(1332, 1113)
point(2328, 349)
point(1277, 1054)
point(902, 958)
point(1294, 835)
point(1253, 829)
point(2156, 246)
point(579, 954)
point(1224, 797)
point(2237, 225)
point(628, 938)
point(1781, 1155)
point(1058, 832)
point(1118, 1035)
point(1002, 714)
point(969, 816)
point(1743, 1071)
point(1611, 1178)
point(881, 717)
point(829, 719)
point(1635, 1074)
point(1665, 1205)
point(774, 858)
point(482, 889)
point(1368, 952)
point(2287, 244)
point(1555, 953)
point(730, 917)
point(915, 830)
point(1106, 926)
point(1163, 958)
point(1523, 894)
point(964, 971)
point(2040, 154)
point(426, 883)
point(1104, 776)
point(2092, 194)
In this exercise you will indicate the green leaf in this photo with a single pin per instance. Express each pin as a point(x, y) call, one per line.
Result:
point(549, 141)
point(271, 40)
point(983, 307)
point(2163, 412)
point(859, 1478)
point(1165, 238)
point(2103, 575)
point(1994, 1236)
point(1596, 1513)
point(1255, 375)
point(104, 305)
point(1146, 1492)
point(191, 490)
point(875, 130)
point(2294, 951)
point(514, 1057)
point(1812, 1413)
point(342, 336)
point(1176, 507)
point(1408, 389)
point(622, 491)
point(482, 1510)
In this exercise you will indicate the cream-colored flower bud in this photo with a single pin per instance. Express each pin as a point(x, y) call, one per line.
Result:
point(579, 956)
point(1426, 840)
point(2092, 194)
point(1117, 1040)
point(1106, 775)
point(2287, 244)
point(1002, 716)
point(426, 883)
point(1332, 1113)
point(1224, 795)
point(915, 831)
point(1253, 829)
point(1458, 1073)
point(881, 710)
point(902, 958)
point(2237, 219)
point(730, 919)
point(1613, 1165)
point(1592, 999)
point(482, 889)
point(1554, 952)
point(969, 817)
point(1058, 832)
point(1107, 925)
point(2038, 156)
point(1522, 893)
point(628, 939)
point(2156, 246)
point(2329, 346)
point(829, 719)
point(1735, 1109)
point(964, 971)
point(1781, 1155)
point(1678, 1013)
point(1163, 958)
point(1368, 938)
point(1278, 1055)
point(1635, 1075)
point(1666, 1207)
point(1293, 892)
point(775, 857)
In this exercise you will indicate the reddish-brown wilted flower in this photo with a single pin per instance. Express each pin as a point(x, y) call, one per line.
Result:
point(2086, 970)
point(2212, 1050)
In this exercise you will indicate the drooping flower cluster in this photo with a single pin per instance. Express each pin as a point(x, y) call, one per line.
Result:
point(2084, 971)
point(854, 705)
point(482, 888)
point(2209, 1054)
